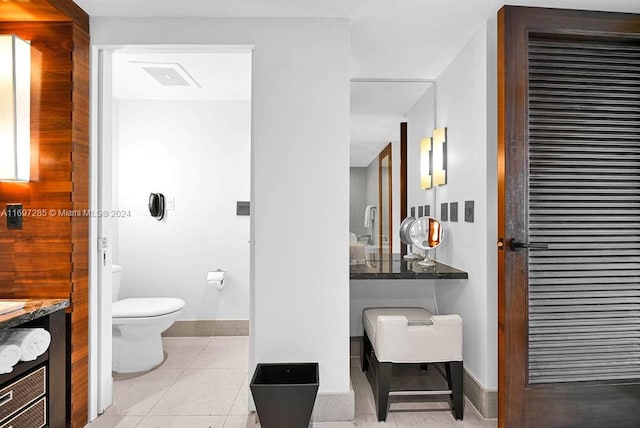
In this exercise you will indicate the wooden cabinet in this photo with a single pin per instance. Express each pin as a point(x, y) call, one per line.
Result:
point(23, 402)
point(34, 394)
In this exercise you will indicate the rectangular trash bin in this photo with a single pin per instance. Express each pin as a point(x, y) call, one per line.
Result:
point(284, 393)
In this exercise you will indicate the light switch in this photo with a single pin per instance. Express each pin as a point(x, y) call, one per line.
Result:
point(468, 211)
point(444, 212)
point(453, 211)
point(243, 208)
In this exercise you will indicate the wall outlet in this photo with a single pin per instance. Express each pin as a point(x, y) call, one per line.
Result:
point(14, 216)
point(171, 204)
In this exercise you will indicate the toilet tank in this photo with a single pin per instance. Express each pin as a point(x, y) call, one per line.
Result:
point(116, 272)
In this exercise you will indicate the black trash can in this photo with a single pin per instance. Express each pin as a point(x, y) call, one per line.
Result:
point(284, 393)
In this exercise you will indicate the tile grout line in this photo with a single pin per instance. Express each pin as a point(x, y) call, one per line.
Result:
point(236, 398)
point(163, 394)
point(189, 367)
point(199, 353)
point(173, 383)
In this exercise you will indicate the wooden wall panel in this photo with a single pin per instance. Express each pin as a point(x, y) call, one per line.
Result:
point(49, 257)
point(80, 229)
point(51, 166)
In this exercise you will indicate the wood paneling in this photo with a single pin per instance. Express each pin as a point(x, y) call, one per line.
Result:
point(80, 230)
point(52, 167)
point(48, 258)
point(44, 10)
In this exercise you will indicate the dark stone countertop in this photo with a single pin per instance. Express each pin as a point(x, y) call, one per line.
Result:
point(397, 268)
point(33, 309)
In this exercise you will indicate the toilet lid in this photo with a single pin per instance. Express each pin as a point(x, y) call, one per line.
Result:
point(145, 307)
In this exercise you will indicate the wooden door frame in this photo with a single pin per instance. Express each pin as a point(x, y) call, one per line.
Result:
point(513, 25)
point(403, 178)
point(386, 152)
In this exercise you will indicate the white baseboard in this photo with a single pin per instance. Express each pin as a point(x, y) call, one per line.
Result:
point(335, 407)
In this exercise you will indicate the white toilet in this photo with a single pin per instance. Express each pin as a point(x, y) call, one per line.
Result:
point(137, 324)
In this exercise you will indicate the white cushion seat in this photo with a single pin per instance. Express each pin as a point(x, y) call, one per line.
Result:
point(413, 335)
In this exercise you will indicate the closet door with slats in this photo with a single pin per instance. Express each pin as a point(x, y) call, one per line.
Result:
point(584, 204)
point(570, 280)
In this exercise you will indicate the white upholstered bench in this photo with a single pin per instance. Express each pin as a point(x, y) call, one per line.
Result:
point(408, 335)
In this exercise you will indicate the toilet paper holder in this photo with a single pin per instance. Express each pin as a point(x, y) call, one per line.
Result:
point(216, 278)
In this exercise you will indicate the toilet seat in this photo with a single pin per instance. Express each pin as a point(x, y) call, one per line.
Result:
point(144, 307)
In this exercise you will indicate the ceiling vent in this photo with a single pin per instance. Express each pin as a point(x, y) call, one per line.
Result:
point(168, 73)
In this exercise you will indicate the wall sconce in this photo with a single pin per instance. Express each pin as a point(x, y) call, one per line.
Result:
point(439, 169)
point(425, 163)
point(15, 108)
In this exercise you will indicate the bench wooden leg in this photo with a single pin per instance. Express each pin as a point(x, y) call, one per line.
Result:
point(364, 352)
point(383, 386)
point(454, 379)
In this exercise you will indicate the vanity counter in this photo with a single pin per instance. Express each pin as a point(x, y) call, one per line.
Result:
point(397, 268)
point(33, 309)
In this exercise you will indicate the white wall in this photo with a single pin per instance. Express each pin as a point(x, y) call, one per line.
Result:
point(420, 124)
point(466, 105)
point(197, 153)
point(300, 177)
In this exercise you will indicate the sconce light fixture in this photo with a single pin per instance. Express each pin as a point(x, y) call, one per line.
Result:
point(439, 169)
point(425, 163)
point(15, 106)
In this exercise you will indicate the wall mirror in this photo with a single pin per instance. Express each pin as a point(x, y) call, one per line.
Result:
point(381, 178)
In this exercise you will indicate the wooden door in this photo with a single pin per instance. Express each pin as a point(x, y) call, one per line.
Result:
point(569, 190)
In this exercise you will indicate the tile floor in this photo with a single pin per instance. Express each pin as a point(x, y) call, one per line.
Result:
point(203, 382)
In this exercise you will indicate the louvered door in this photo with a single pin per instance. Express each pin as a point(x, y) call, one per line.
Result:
point(584, 202)
point(569, 292)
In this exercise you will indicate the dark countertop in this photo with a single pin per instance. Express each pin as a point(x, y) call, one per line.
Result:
point(33, 309)
point(397, 268)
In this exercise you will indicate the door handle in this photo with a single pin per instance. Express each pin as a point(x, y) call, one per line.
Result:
point(517, 245)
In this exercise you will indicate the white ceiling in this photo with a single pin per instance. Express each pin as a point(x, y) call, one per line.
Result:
point(408, 39)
